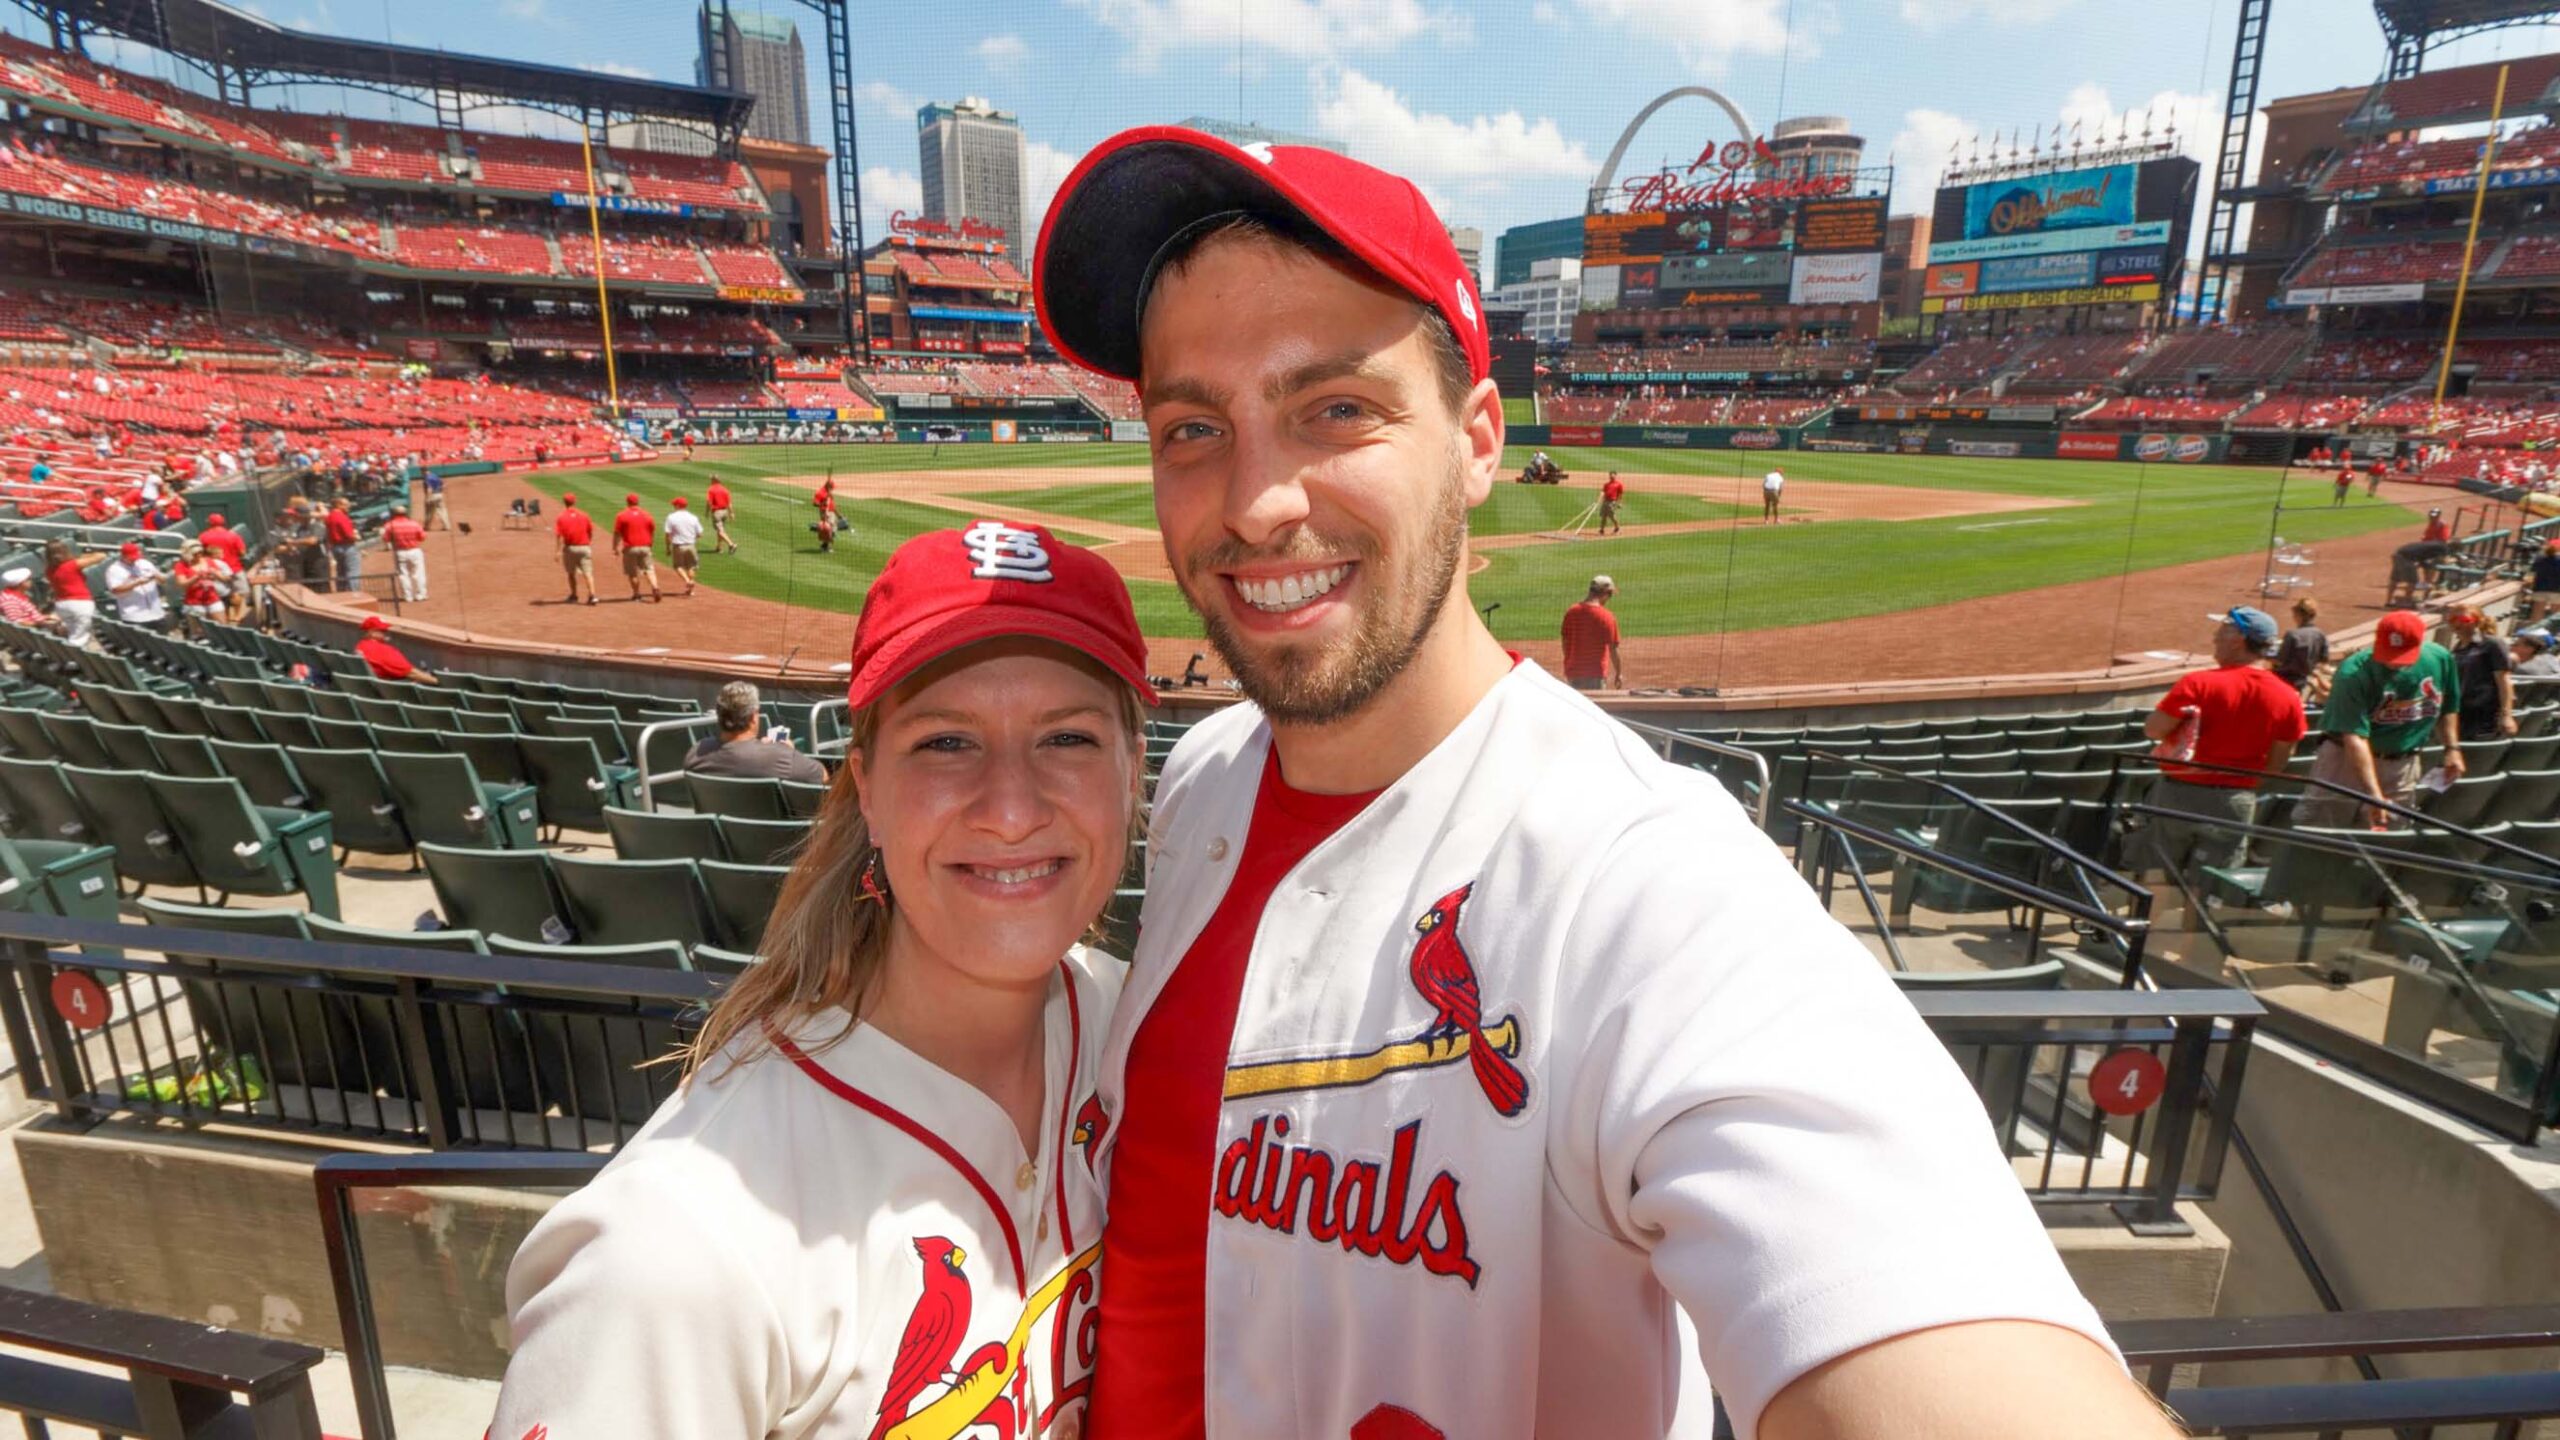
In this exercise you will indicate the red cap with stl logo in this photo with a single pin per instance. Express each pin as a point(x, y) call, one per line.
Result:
point(946, 589)
point(2399, 636)
point(1138, 191)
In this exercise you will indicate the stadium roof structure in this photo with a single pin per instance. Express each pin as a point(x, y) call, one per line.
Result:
point(2412, 27)
point(251, 50)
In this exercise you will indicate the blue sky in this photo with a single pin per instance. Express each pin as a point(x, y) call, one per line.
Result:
point(1501, 110)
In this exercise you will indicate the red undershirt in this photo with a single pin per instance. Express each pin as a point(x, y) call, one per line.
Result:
point(1149, 1376)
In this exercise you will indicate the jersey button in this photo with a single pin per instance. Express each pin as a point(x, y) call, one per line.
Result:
point(1218, 848)
point(1026, 1177)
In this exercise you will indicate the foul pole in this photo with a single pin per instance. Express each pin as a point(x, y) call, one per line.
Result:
point(2470, 243)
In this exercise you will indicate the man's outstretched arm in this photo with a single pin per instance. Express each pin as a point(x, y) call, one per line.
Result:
point(1992, 1380)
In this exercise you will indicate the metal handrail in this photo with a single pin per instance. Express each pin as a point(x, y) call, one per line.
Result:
point(336, 1179)
point(179, 1378)
point(640, 760)
point(1664, 739)
point(2018, 827)
point(2419, 818)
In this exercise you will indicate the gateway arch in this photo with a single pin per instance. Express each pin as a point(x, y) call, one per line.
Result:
point(1602, 187)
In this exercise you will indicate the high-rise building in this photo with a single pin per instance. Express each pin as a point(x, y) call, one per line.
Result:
point(1812, 147)
point(1470, 243)
point(1245, 133)
point(766, 61)
point(970, 155)
point(1546, 300)
point(1522, 246)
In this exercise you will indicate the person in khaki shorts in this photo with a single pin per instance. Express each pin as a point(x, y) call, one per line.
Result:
point(2385, 704)
point(634, 536)
point(576, 534)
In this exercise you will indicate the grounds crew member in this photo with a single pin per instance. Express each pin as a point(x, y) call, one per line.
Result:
point(634, 535)
point(2384, 704)
point(406, 539)
point(1590, 639)
point(716, 497)
point(684, 533)
point(575, 532)
point(1612, 490)
point(2240, 715)
point(1466, 1036)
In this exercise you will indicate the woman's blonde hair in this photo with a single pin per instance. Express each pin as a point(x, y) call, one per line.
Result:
point(824, 943)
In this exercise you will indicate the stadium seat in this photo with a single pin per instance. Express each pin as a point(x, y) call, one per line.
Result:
point(762, 842)
point(731, 797)
point(285, 1036)
point(292, 729)
point(659, 746)
point(801, 802)
point(442, 798)
point(343, 734)
point(122, 812)
point(185, 715)
point(2312, 881)
point(25, 735)
point(575, 783)
point(498, 892)
point(631, 902)
point(51, 877)
point(2467, 802)
point(264, 771)
point(483, 722)
point(332, 705)
point(403, 740)
point(606, 733)
point(349, 785)
point(498, 1068)
point(2529, 752)
point(235, 723)
point(75, 740)
point(239, 848)
point(35, 792)
point(718, 961)
point(2529, 795)
point(654, 835)
point(1982, 836)
point(741, 899)
point(494, 756)
point(128, 746)
point(188, 755)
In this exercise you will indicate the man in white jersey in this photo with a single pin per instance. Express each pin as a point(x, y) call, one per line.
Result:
point(1468, 1043)
point(1772, 485)
point(684, 534)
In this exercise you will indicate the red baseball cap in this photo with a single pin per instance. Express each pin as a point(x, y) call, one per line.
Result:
point(131, 550)
point(2399, 637)
point(677, 502)
point(630, 499)
point(1139, 190)
point(375, 622)
point(948, 588)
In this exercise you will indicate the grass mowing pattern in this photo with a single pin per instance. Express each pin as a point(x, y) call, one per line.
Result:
point(2133, 517)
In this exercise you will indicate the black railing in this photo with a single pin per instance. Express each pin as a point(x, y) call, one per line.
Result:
point(181, 1380)
point(414, 1046)
point(2410, 1406)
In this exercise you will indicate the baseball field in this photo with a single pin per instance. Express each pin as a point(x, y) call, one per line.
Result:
point(1998, 565)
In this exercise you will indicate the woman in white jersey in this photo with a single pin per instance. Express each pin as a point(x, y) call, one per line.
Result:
point(870, 1211)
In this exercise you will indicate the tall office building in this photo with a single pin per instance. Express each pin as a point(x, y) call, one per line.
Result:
point(970, 155)
point(766, 61)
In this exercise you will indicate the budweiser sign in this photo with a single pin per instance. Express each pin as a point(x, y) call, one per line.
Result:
point(902, 223)
point(1727, 175)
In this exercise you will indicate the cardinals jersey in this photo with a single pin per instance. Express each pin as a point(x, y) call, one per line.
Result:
point(838, 1242)
point(1544, 1048)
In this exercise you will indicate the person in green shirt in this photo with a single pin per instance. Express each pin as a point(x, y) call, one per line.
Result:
point(2383, 705)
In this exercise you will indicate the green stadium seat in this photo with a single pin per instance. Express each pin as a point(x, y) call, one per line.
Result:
point(498, 892)
point(343, 734)
point(442, 798)
point(302, 1042)
point(75, 740)
point(2534, 752)
point(2312, 881)
point(105, 704)
point(601, 1070)
point(264, 771)
point(236, 724)
point(188, 755)
point(240, 694)
point(1975, 762)
point(292, 729)
point(493, 756)
point(575, 783)
point(378, 713)
point(122, 812)
point(26, 737)
point(493, 1053)
point(1974, 834)
point(51, 877)
point(185, 715)
point(484, 722)
point(2083, 785)
point(662, 754)
point(729, 796)
point(240, 848)
point(741, 899)
point(607, 735)
point(762, 842)
point(40, 802)
point(629, 902)
point(349, 785)
point(333, 705)
point(295, 699)
point(403, 740)
point(2467, 803)
point(2529, 795)
point(128, 746)
point(662, 835)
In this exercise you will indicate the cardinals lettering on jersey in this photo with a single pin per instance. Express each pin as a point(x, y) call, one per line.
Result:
point(1356, 1204)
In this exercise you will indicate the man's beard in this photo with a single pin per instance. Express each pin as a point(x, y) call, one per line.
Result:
point(1305, 685)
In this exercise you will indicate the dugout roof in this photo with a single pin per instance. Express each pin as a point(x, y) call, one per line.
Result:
point(218, 35)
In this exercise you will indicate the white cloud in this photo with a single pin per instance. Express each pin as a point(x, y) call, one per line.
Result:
point(1306, 29)
point(1003, 52)
point(616, 67)
point(1939, 14)
point(1485, 151)
point(1921, 150)
point(886, 96)
point(1545, 13)
point(537, 12)
point(1044, 169)
point(1707, 33)
point(885, 190)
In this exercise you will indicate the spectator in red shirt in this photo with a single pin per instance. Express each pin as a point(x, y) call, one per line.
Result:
point(1591, 640)
point(17, 607)
point(826, 526)
point(576, 534)
point(73, 605)
point(716, 497)
point(219, 537)
point(406, 539)
point(346, 547)
point(385, 658)
point(634, 535)
point(204, 582)
point(2238, 715)
point(2437, 526)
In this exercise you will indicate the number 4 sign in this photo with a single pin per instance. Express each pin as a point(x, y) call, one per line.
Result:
point(2127, 1082)
point(79, 999)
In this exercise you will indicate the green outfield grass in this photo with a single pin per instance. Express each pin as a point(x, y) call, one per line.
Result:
point(1519, 410)
point(1740, 577)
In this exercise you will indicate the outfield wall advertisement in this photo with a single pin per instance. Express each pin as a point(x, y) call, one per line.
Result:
point(1835, 279)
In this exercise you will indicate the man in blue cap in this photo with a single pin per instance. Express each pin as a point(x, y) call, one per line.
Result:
point(2237, 718)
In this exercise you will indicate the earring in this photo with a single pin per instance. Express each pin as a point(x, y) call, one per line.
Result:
point(875, 885)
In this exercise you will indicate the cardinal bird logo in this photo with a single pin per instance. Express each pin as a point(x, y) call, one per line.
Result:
point(1447, 978)
point(1092, 1123)
point(933, 1334)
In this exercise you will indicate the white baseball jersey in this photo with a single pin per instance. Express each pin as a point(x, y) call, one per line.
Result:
point(1772, 483)
point(1548, 1040)
point(683, 527)
point(839, 1242)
